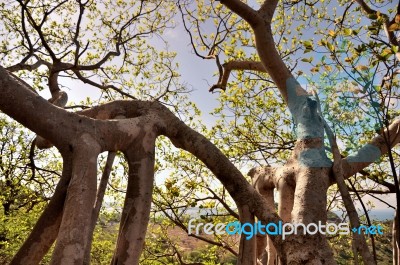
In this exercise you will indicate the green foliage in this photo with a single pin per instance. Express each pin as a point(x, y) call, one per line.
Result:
point(23, 194)
point(15, 228)
point(104, 243)
point(342, 247)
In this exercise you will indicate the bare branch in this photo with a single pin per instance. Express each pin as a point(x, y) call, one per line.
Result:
point(26, 35)
point(77, 31)
point(102, 87)
point(30, 67)
point(368, 192)
point(38, 30)
point(223, 202)
point(226, 68)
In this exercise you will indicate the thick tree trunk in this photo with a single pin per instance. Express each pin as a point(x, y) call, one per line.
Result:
point(99, 201)
point(247, 247)
point(395, 243)
point(74, 233)
point(136, 211)
point(309, 207)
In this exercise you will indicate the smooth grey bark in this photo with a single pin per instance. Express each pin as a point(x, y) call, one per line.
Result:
point(101, 190)
point(247, 247)
point(75, 232)
point(136, 211)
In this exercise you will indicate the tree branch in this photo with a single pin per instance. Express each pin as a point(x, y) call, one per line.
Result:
point(370, 152)
point(359, 239)
point(386, 26)
point(226, 68)
point(267, 9)
point(39, 29)
point(365, 7)
point(29, 67)
point(243, 10)
point(99, 200)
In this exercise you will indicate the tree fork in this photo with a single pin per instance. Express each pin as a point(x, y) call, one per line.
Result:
point(264, 181)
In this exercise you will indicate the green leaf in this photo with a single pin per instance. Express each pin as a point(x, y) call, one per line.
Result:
point(366, 86)
point(308, 44)
point(375, 104)
point(348, 32)
point(307, 60)
point(330, 46)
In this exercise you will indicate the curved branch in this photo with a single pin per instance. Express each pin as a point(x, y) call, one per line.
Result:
point(260, 21)
point(226, 68)
point(29, 67)
point(370, 152)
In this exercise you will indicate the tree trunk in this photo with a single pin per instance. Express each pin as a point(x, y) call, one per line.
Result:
point(395, 243)
point(136, 211)
point(99, 200)
point(74, 233)
point(247, 246)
